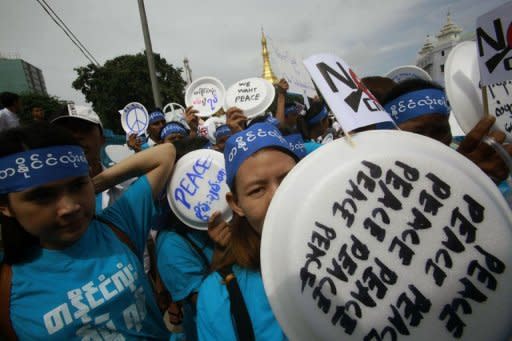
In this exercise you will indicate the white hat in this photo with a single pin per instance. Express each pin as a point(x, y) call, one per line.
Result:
point(81, 112)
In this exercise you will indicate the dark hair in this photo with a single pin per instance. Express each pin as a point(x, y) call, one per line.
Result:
point(8, 99)
point(243, 247)
point(16, 240)
point(189, 144)
point(379, 86)
point(407, 86)
point(302, 121)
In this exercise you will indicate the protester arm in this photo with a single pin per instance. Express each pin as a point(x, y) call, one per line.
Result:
point(156, 163)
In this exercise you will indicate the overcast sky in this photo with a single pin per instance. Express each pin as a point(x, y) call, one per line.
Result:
point(222, 38)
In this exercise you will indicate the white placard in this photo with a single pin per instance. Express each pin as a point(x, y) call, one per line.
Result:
point(134, 118)
point(494, 41)
point(500, 105)
point(290, 67)
point(252, 95)
point(206, 95)
point(351, 102)
point(198, 188)
point(402, 238)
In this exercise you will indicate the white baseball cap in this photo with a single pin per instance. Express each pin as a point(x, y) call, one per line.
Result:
point(82, 113)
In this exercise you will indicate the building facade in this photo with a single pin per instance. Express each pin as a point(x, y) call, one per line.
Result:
point(432, 56)
point(16, 75)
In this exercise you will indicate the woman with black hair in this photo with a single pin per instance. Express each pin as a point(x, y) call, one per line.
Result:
point(68, 274)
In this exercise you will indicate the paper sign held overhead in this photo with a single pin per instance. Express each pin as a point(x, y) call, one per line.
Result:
point(351, 102)
point(494, 43)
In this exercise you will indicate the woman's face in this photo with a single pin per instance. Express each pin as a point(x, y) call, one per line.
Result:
point(173, 137)
point(256, 182)
point(57, 213)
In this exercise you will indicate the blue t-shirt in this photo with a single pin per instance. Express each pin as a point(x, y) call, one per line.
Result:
point(214, 320)
point(183, 270)
point(94, 289)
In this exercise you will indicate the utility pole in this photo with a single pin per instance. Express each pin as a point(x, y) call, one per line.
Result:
point(149, 55)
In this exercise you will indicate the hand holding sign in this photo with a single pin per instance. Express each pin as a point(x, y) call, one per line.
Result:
point(219, 230)
point(351, 102)
point(483, 155)
point(235, 119)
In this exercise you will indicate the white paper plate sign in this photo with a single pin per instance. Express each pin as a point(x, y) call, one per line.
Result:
point(462, 79)
point(402, 237)
point(198, 188)
point(206, 95)
point(252, 95)
point(500, 105)
point(134, 118)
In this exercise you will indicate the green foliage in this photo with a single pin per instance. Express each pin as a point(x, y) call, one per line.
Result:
point(51, 105)
point(125, 79)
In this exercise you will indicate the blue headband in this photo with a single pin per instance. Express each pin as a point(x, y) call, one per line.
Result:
point(37, 167)
point(272, 120)
point(296, 143)
point(417, 103)
point(318, 117)
point(156, 116)
point(222, 131)
point(173, 128)
point(242, 145)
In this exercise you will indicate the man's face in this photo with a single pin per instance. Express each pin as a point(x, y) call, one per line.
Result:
point(38, 114)
point(154, 130)
point(435, 126)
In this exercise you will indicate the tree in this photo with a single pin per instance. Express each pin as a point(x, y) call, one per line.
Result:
point(51, 105)
point(125, 79)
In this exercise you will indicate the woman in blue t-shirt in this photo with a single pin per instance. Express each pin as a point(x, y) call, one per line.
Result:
point(257, 159)
point(72, 275)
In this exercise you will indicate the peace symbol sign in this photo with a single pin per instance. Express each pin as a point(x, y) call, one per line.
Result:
point(135, 118)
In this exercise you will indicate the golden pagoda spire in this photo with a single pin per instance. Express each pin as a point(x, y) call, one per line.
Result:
point(268, 74)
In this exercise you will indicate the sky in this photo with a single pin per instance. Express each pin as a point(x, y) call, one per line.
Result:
point(223, 38)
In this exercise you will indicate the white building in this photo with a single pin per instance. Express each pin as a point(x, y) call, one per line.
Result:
point(434, 52)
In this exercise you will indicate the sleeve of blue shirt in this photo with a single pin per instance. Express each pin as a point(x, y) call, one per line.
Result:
point(213, 311)
point(181, 269)
point(133, 212)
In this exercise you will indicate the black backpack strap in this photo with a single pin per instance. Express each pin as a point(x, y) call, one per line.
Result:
point(239, 313)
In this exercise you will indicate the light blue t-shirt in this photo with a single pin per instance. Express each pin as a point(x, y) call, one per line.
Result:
point(214, 320)
point(311, 146)
point(94, 289)
point(183, 270)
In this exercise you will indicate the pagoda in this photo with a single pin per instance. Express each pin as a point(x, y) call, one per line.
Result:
point(268, 74)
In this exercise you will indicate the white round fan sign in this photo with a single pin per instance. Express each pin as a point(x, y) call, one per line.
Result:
point(395, 236)
point(134, 118)
point(198, 188)
point(462, 78)
point(206, 95)
point(252, 95)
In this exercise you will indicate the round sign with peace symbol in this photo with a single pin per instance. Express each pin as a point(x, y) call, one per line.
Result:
point(134, 118)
